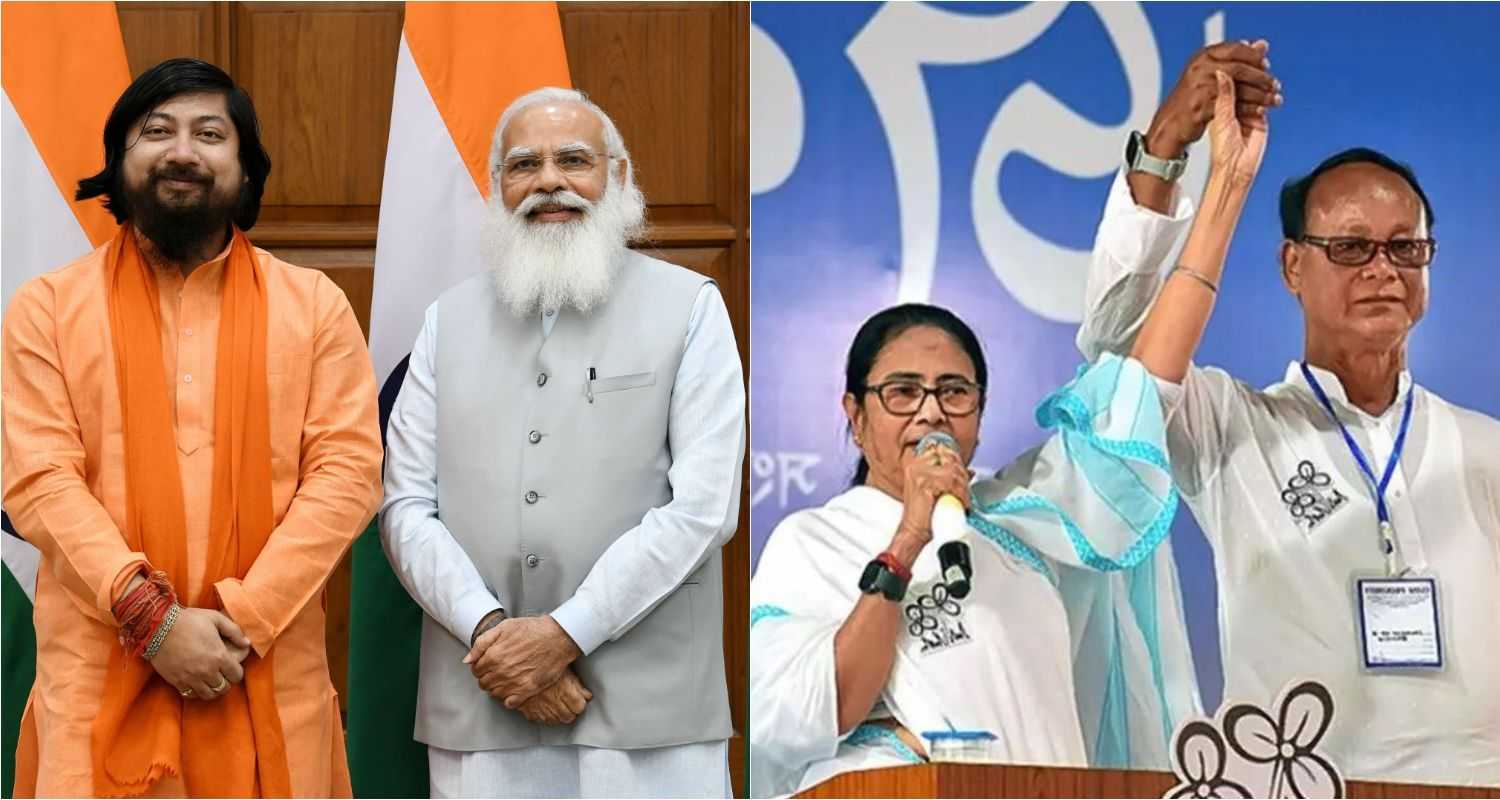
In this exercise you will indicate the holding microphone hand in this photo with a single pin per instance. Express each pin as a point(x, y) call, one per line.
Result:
point(930, 475)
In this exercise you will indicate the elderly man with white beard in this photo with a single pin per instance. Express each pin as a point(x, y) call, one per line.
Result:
point(563, 465)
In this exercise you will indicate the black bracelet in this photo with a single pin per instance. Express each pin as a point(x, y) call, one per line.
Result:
point(879, 579)
point(489, 620)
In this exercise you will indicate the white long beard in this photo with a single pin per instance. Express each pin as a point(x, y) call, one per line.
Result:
point(537, 266)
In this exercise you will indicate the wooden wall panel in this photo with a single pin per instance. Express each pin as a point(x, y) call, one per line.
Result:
point(666, 121)
point(674, 76)
point(712, 261)
point(157, 31)
point(322, 76)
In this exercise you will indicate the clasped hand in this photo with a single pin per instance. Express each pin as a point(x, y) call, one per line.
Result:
point(523, 662)
point(202, 653)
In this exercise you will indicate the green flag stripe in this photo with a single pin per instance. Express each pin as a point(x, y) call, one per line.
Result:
point(17, 665)
point(385, 641)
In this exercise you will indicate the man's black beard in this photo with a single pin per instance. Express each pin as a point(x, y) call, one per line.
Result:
point(179, 232)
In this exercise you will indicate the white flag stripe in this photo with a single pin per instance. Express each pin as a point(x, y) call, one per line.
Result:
point(38, 231)
point(22, 560)
point(430, 219)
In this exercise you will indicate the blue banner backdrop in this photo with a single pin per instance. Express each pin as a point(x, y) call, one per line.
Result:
point(960, 154)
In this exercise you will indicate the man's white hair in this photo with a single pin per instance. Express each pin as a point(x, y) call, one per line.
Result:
point(614, 145)
point(546, 266)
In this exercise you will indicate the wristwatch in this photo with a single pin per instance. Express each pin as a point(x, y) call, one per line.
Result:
point(880, 578)
point(1138, 160)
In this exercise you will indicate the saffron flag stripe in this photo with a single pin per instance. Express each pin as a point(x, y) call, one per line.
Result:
point(38, 231)
point(472, 77)
point(63, 66)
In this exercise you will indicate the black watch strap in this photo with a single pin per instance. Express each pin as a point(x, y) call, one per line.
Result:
point(879, 579)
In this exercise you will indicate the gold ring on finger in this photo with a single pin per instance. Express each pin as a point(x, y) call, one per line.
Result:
point(223, 684)
point(185, 692)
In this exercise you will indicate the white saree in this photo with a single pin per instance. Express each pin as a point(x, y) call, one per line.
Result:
point(1071, 648)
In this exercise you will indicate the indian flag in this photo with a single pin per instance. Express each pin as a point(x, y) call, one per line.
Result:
point(459, 66)
point(62, 66)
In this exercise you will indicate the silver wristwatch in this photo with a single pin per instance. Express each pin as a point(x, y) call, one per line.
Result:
point(1138, 160)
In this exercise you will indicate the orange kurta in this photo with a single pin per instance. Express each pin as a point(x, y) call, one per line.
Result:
point(64, 485)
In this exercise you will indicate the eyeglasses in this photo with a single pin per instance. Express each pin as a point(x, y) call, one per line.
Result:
point(1357, 251)
point(571, 162)
point(903, 398)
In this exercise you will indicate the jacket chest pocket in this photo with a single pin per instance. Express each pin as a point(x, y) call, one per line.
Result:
point(620, 383)
point(622, 407)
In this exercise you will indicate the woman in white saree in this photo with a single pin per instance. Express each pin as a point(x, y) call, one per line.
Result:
point(1070, 647)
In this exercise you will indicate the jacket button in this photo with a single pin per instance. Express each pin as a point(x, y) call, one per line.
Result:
point(534, 437)
point(531, 497)
point(541, 379)
point(532, 560)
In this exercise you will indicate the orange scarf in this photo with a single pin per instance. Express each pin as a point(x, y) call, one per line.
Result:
point(231, 746)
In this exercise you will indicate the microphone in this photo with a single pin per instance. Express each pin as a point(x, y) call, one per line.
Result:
point(949, 526)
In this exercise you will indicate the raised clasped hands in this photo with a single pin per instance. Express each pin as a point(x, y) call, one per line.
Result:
point(1237, 142)
point(1192, 102)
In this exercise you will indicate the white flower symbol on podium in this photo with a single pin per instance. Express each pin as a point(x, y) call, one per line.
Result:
point(1251, 753)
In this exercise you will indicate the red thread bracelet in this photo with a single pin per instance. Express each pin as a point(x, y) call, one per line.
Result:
point(894, 565)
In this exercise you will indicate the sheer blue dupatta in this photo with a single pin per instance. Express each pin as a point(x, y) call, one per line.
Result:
point(1091, 509)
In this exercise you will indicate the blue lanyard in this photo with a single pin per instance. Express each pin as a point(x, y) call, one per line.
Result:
point(1390, 466)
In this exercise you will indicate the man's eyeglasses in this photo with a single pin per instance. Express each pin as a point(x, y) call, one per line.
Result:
point(1357, 251)
point(571, 162)
point(902, 398)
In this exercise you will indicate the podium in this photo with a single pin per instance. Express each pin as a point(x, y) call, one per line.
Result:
point(995, 780)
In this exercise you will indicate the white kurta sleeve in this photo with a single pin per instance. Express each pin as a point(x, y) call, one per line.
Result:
point(1131, 247)
point(430, 563)
point(1200, 412)
point(803, 590)
point(706, 433)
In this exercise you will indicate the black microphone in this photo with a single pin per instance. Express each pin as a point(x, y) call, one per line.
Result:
point(949, 526)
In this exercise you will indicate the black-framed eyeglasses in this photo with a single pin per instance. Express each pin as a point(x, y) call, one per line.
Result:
point(1357, 251)
point(901, 397)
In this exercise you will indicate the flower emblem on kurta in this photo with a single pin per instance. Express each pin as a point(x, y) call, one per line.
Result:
point(1310, 495)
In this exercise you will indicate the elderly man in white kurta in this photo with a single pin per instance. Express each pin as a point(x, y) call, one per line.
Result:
point(563, 466)
point(1345, 484)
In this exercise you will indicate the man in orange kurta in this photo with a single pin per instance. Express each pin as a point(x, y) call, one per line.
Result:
point(184, 174)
